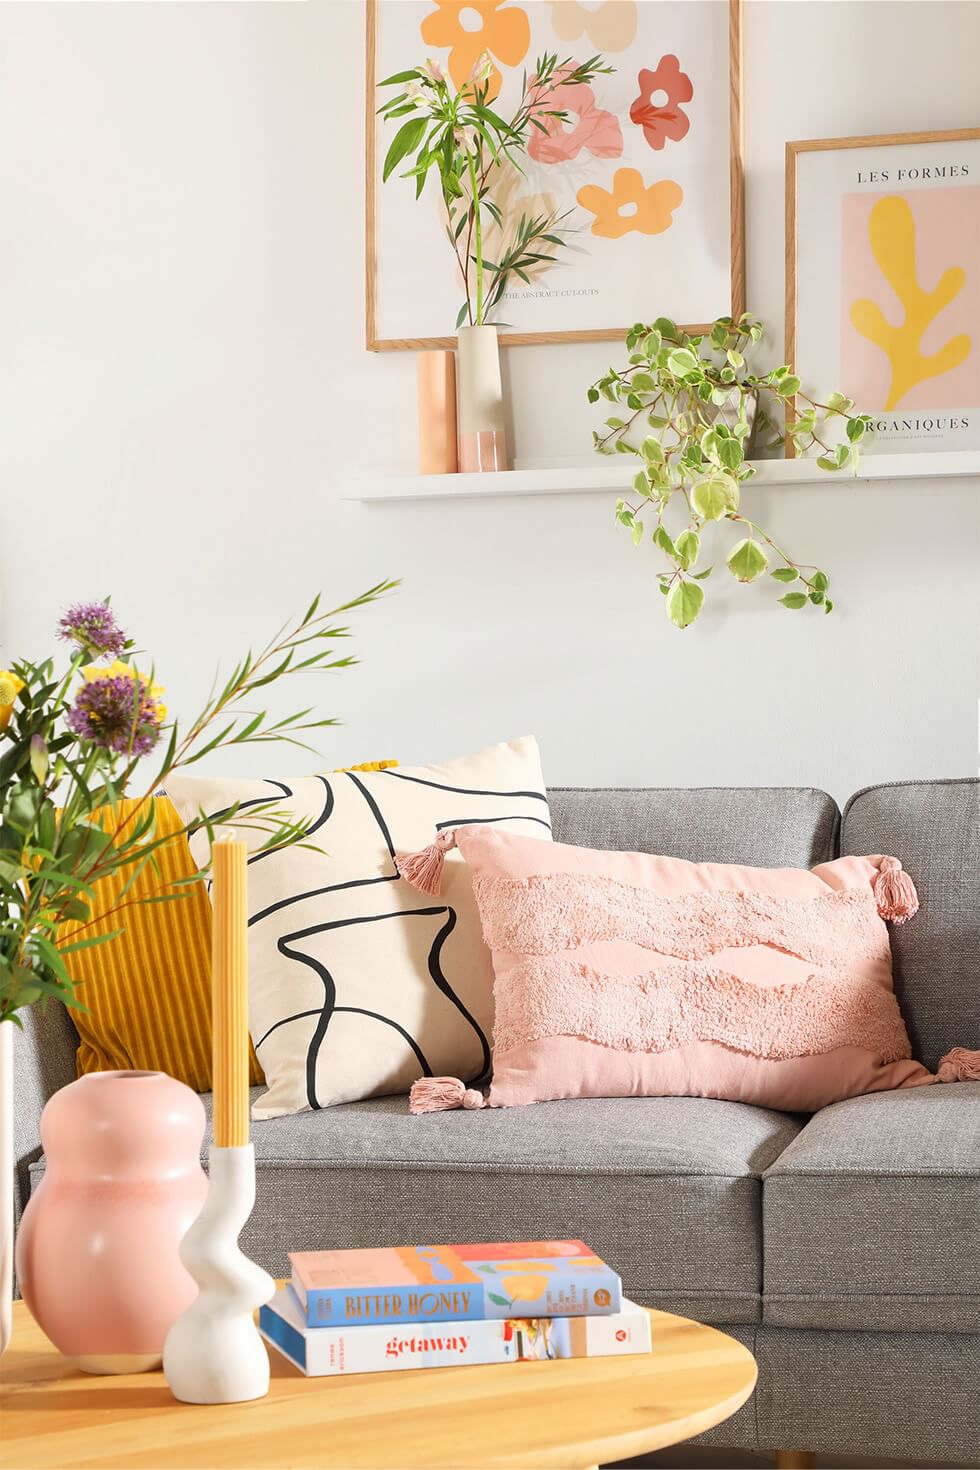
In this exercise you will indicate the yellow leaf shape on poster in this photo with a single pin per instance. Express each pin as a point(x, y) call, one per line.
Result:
point(891, 233)
point(652, 209)
point(505, 32)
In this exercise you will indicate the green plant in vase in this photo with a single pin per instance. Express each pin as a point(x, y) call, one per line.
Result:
point(459, 136)
point(690, 406)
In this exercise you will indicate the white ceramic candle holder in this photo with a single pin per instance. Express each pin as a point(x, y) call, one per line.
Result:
point(213, 1353)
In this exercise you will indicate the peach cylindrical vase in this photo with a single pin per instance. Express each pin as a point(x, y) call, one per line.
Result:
point(97, 1249)
point(437, 413)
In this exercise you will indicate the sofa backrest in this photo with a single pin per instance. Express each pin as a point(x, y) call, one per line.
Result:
point(933, 827)
point(763, 826)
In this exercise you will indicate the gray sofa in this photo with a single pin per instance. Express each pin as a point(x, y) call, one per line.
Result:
point(844, 1249)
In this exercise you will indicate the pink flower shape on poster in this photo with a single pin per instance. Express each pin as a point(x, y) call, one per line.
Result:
point(663, 120)
point(596, 130)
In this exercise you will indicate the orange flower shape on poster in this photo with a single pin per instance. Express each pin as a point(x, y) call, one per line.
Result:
point(611, 26)
point(663, 120)
point(505, 33)
point(651, 209)
point(597, 131)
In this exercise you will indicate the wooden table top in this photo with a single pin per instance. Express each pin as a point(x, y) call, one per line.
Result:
point(571, 1413)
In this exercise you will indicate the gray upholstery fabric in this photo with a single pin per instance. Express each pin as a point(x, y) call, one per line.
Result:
point(665, 1188)
point(766, 827)
point(903, 1395)
point(934, 828)
point(871, 1217)
point(44, 1060)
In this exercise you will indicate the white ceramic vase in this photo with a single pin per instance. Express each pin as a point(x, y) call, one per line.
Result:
point(213, 1353)
point(480, 415)
point(6, 1179)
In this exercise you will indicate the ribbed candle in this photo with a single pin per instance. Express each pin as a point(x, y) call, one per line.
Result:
point(229, 991)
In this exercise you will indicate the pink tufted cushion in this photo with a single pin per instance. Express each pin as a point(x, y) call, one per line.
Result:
point(622, 974)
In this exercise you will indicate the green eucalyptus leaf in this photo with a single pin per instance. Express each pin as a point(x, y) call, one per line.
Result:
point(684, 601)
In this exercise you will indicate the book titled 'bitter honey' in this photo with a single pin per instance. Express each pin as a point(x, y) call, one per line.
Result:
point(454, 1283)
point(331, 1351)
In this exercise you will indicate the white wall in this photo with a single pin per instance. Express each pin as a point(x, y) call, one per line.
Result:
point(184, 382)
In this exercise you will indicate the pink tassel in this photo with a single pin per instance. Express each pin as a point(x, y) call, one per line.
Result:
point(442, 1095)
point(894, 892)
point(424, 869)
point(959, 1065)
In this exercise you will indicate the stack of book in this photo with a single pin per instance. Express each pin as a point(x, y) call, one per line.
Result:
point(437, 1306)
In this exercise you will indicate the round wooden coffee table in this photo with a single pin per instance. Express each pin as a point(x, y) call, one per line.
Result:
point(571, 1414)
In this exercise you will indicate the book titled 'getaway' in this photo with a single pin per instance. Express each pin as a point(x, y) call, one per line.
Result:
point(454, 1283)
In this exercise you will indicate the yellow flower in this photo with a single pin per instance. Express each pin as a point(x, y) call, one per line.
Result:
point(91, 673)
point(10, 687)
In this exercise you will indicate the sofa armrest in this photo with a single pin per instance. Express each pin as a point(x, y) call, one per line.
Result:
point(44, 1060)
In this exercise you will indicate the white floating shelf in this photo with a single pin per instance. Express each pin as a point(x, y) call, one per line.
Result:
point(616, 476)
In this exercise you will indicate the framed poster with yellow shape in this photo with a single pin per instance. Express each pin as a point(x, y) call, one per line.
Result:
point(647, 164)
point(883, 282)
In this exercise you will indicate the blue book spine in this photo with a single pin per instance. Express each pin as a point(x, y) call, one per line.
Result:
point(567, 1291)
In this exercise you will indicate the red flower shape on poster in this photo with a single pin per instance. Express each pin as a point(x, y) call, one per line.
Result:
point(661, 120)
point(596, 130)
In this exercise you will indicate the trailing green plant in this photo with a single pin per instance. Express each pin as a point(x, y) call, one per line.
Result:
point(73, 745)
point(457, 134)
point(688, 406)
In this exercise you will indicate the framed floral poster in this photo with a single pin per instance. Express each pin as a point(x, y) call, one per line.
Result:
point(645, 167)
point(883, 282)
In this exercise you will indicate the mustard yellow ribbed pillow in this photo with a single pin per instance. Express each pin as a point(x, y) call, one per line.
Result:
point(148, 991)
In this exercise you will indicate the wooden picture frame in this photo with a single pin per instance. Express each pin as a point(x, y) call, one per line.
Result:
point(377, 343)
point(945, 146)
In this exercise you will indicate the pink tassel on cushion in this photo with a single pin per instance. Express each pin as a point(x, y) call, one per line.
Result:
point(959, 1065)
point(424, 869)
point(894, 892)
point(442, 1095)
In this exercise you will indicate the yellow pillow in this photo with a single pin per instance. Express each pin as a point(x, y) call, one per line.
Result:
point(148, 991)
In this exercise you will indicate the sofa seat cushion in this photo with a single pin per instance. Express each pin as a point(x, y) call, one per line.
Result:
point(870, 1216)
point(666, 1189)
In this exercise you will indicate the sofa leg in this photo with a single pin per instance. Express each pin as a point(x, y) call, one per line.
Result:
point(795, 1460)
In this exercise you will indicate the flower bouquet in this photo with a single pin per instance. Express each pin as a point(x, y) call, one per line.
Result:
point(71, 748)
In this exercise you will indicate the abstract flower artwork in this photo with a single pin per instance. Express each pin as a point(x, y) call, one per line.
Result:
point(884, 297)
point(639, 164)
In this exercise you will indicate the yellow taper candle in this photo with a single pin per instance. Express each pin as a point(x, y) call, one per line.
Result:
point(229, 991)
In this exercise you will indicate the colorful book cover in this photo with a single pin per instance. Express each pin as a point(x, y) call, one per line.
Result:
point(381, 1347)
point(454, 1283)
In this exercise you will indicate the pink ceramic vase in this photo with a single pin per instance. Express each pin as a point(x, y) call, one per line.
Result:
point(97, 1257)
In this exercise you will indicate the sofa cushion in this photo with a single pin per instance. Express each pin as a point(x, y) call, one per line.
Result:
point(934, 828)
point(761, 826)
point(870, 1215)
point(666, 1189)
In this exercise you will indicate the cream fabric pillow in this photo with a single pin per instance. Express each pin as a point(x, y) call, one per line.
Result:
point(358, 985)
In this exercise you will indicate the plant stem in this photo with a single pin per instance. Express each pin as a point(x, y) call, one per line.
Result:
point(478, 242)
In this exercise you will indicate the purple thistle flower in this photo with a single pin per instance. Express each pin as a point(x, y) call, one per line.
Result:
point(93, 627)
point(118, 713)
